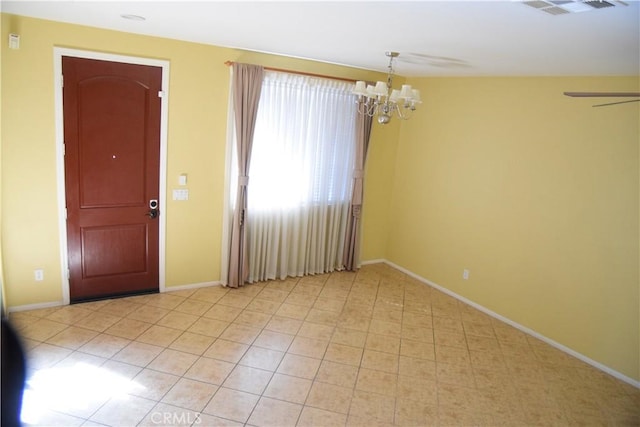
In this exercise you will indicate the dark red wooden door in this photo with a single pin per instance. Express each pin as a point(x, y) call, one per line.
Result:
point(112, 161)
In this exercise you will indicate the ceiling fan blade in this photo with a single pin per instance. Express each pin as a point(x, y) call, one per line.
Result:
point(615, 103)
point(603, 94)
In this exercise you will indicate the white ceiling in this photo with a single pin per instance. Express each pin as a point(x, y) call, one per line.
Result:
point(434, 38)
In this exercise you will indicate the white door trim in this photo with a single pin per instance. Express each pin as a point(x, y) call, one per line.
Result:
point(58, 53)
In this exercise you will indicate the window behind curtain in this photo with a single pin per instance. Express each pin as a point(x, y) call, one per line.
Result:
point(301, 169)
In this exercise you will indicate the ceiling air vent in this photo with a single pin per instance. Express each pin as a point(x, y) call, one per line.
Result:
point(561, 7)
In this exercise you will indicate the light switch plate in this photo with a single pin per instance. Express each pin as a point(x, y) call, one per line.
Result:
point(182, 194)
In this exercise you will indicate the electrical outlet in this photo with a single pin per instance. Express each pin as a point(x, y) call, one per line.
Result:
point(465, 274)
point(38, 275)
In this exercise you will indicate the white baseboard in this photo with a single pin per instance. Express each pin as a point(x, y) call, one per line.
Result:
point(191, 286)
point(516, 325)
point(38, 306)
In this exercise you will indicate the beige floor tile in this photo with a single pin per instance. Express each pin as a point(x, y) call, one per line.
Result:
point(21, 319)
point(293, 311)
point(288, 388)
point(315, 330)
point(121, 370)
point(45, 355)
point(273, 294)
point(380, 382)
point(284, 325)
point(350, 337)
point(263, 306)
point(329, 397)
point(452, 355)
point(167, 301)
point(209, 327)
point(448, 324)
point(455, 374)
point(450, 338)
point(270, 412)
point(417, 319)
point(240, 333)
point(72, 337)
point(299, 366)
point(481, 330)
point(123, 411)
point(300, 299)
point(211, 294)
point(213, 421)
point(173, 362)
point(159, 335)
point(386, 328)
point(307, 289)
point(308, 347)
point(421, 368)
point(192, 343)
point(232, 404)
point(194, 307)
point(69, 315)
point(246, 378)
point(273, 340)
point(152, 384)
point(222, 312)
point(386, 362)
point(417, 333)
point(254, 319)
point(176, 320)
point(104, 345)
point(417, 349)
point(314, 417)
point(262, 358)
point(420, 389)
point(337, 374)
point(42, 330)
point(353, 421)
point(148, 313)
point(119, 307)
point(232, 299)
point(211, 371)
point(228, 351)
point(382, 343)
point(329, 304)
point(343, 354)
point(372, 406)
point(323, 317)
point(411, 412)
point(383, 337)
point(128, 328)
point(138, 353)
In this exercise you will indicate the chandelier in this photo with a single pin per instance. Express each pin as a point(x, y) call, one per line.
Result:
point(383, 101)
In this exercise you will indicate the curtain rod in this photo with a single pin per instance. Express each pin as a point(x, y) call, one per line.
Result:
point(302, 73)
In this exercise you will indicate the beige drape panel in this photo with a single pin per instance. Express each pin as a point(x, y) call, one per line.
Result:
point(247, 84)
point(352, 243)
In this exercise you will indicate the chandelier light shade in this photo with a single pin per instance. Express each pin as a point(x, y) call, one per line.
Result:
point(383, 101)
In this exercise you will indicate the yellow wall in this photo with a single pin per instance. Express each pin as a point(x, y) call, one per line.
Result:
point(537, 194)
point(198, 95)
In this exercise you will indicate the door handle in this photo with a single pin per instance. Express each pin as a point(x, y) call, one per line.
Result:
point(153, 209)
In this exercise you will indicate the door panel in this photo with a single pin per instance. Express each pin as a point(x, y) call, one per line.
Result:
point(112, 153)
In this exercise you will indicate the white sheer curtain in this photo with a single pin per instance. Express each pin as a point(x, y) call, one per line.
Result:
point(302, 164)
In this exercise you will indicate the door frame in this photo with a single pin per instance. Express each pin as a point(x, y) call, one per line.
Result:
point(58, 53)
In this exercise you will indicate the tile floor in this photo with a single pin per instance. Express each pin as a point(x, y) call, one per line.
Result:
point(357, 349)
